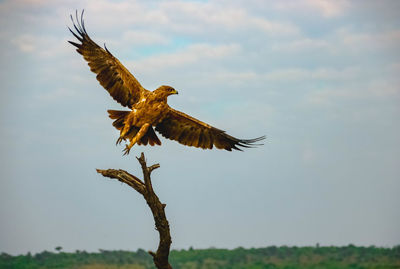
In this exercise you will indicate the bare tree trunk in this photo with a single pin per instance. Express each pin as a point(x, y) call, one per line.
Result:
point(145, 188)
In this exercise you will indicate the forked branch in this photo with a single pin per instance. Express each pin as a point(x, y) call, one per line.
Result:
point(145, 188)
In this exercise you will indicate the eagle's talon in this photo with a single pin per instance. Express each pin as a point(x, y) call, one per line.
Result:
point(126, 150)
point(119, 140)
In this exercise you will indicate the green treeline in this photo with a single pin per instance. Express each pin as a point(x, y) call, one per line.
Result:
point(255, 258)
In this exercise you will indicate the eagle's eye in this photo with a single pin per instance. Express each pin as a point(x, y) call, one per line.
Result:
point(172, 90)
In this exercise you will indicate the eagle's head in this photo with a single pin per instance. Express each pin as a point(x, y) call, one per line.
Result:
point(165, 91)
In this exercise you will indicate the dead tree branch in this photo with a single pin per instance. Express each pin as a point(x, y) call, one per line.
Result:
point(145, 188)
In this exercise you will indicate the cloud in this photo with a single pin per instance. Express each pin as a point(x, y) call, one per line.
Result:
point(190, 55)
point(369, 40)
point(299, 74)
point(144, 38)
point(327, 8)
point(43, 46)
point(192, 18)
point(371, 90)
point(33, 2)
point(309, 156)
point(58, 94)
point(340, 42)
point(212, 16)
point(385, 88)
point(292, 75)
point(302, 44)
point(233, 78)
point(25, 42)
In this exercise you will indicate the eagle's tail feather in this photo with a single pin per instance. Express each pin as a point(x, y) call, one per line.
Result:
point(119, 116)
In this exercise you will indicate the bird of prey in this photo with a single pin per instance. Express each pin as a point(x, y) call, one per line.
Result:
point(149, 109)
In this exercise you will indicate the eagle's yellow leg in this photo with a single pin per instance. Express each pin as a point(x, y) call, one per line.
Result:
point(137, 137)
point(123, 132)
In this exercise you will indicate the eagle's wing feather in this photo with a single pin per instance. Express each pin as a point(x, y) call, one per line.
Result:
point(111, 74)
point(193, 132)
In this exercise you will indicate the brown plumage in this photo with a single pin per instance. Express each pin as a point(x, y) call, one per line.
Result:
point(148, 109)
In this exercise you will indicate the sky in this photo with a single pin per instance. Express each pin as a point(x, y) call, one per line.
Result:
point(319, 78)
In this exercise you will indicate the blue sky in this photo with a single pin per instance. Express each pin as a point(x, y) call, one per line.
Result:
point(320, 78)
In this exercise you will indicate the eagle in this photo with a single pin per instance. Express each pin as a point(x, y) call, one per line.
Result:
point(149, 110)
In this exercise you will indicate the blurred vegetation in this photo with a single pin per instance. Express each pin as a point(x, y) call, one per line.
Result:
point(256, 258)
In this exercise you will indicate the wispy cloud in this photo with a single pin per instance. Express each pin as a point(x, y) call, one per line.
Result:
point(303, 44)
point(326, 8)
point(25, 42)
point(367, 40)
point(369, 91)
point(329, 8)
point(190, 55)
point(211, 16)
point(143, 38)
point(55, 95)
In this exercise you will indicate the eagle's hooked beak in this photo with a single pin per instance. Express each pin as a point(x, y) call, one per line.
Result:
point(174, 92)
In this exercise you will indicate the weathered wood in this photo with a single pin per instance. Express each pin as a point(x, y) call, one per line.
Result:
point(145, 188)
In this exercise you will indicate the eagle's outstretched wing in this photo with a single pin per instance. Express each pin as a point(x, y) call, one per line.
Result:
point(111, 74)
point(192, 132)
